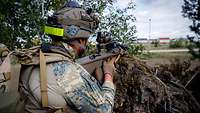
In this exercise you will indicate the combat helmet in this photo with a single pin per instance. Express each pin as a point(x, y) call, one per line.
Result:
point(72, 22)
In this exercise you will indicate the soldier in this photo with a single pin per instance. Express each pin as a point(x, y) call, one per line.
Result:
point(70, 88)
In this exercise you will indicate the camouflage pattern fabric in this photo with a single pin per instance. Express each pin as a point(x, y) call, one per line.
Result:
point(70, 87)
point(82, 91)
point(3, 52)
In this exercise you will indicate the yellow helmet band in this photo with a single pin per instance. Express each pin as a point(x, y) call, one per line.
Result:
point(54, 31)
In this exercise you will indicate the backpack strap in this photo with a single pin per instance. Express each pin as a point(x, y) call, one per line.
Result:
point(11, 71)
point(43, 80)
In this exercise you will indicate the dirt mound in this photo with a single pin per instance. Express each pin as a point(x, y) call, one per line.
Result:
point(139, 90)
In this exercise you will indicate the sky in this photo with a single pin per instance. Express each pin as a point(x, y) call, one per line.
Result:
point(165, 15)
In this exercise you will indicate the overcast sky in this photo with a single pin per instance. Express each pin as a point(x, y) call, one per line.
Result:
point(166, 18)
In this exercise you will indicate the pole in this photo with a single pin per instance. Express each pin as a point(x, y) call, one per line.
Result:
point(148, 40)
point(149, 30)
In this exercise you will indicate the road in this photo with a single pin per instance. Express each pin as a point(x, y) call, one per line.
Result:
point(168, 50)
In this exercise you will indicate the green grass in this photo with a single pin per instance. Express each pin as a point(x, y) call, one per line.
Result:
point(168, 56)
point(151, 46)
point(153, 59)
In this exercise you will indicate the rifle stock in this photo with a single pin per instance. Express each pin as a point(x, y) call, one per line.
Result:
point(94, 64)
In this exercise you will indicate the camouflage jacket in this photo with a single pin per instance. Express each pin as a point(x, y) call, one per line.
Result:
point(70, 87)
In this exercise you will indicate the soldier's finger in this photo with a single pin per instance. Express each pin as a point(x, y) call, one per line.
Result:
point(108, 59)
point(113, 59)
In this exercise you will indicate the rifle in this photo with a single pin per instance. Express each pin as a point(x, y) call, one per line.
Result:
point(106, 48)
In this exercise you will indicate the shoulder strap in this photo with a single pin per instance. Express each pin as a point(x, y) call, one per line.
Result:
point(11, 70)
point(43, 80)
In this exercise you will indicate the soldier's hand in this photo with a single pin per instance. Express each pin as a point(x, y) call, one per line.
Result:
point(109, 68)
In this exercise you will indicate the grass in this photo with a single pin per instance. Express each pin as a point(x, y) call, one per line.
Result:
point(171, 55)
point(148, 56)
point(151, 46)
point(165, 58)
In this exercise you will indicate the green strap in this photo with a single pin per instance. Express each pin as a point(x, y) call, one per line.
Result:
point(54, 31)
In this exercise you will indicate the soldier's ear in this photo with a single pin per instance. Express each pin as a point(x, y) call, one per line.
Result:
point(83, 41)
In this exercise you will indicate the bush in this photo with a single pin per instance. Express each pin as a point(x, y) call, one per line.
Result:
point(136, 49)
point(90, 49)
point(155, 43)
point(179, 43)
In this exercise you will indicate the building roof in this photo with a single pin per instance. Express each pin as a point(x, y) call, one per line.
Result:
point(164, 38)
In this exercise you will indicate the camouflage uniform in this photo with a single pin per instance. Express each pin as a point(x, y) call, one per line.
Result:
point(70, 87)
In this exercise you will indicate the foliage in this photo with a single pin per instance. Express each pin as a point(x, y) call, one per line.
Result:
point(191, 10)
point(98, 6)
point(120, 22)
point(21, 20)
point(194, 44)
point(90, 49)
point(177, 43)
point(155, 43)
point(136, 49)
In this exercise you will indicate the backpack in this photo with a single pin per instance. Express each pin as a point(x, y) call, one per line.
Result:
point(10, 74)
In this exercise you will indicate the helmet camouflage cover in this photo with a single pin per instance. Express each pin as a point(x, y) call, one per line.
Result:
point(72, 22)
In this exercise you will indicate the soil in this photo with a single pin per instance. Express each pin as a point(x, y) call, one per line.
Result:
point(142, 89)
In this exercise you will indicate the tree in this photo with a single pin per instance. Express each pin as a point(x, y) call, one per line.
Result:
point(120, 22)
point(21, 20)
point(191, 10)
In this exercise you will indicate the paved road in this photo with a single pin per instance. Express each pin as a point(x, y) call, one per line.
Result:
point(168, 50)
